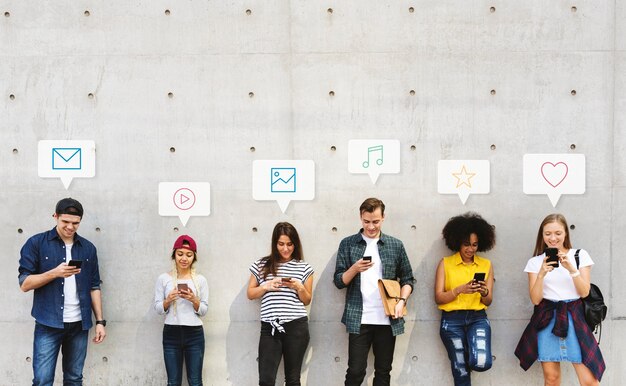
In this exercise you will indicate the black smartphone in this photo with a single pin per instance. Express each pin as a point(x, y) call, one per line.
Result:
point(285, 279)
point(75, 263)
point(553, 256)
point(479, 276)
point(367, 258)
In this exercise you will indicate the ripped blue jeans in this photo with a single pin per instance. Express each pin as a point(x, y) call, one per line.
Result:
point(467, 337)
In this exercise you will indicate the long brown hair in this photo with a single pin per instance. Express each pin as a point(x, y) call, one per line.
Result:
point(272, 261)
point(540, 245)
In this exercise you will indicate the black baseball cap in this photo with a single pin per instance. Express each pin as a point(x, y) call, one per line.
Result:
point(69, 206)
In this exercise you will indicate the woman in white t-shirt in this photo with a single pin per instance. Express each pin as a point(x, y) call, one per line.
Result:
point(183, 296)
point(557, 331)
point(284, 282)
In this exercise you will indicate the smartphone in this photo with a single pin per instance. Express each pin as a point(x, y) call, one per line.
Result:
point(553, 256)
point(183, 287)
point(75, 263)
point(367, 258)
point(285, 279)
point(479, 276)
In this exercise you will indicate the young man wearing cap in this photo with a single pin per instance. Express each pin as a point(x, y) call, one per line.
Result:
point(65, 294)
point(362, 259)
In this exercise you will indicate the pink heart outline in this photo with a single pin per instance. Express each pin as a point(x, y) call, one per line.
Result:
point(554, 166)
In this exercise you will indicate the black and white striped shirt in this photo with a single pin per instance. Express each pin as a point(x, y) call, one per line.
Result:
point(284, 305)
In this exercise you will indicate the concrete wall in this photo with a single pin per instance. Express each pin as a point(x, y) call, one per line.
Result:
point(210, 55)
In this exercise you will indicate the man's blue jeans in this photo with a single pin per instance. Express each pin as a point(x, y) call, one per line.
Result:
point(72, 341)
point(183, 342)
point(467, 337)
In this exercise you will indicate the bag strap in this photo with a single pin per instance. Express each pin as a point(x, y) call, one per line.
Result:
point(577, 258)
point(599, 326)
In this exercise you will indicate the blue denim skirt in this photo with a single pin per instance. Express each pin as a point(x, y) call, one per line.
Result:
point(555, 349)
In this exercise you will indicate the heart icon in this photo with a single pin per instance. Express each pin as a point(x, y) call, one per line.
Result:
point(554, 174)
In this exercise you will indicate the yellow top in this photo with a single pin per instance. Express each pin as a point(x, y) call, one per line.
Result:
point(458, 273)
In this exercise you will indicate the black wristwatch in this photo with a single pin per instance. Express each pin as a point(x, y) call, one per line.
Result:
point(102, 322)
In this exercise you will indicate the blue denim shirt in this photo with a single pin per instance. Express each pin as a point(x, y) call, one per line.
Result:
point(396, 266)
point(45, 251)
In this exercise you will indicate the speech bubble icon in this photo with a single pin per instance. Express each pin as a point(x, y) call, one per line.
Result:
point(374, 157)
point(283, 181)
point(554, 175)
point(184, 199)
point(463, 177)
point(66, 159)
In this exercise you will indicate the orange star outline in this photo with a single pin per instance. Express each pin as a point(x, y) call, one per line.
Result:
point(463, 177)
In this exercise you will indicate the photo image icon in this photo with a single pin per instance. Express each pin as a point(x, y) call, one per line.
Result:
point(283, 180)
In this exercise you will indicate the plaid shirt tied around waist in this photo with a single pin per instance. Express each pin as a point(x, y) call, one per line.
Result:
point(527, 351)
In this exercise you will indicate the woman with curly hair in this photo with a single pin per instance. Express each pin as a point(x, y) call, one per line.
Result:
point(463, 291)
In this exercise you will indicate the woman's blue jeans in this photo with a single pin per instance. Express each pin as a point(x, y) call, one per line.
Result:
point(466, 335)
point(183, 343)
point(290, 345)
point(72, 341)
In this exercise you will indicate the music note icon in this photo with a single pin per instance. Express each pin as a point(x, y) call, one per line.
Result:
point(373, 149)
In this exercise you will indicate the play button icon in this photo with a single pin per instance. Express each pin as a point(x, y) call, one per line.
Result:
point(184, 199)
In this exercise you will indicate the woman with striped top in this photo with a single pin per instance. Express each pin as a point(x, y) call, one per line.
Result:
point(284, 282)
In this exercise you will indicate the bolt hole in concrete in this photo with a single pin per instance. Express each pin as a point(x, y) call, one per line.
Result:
point(105, 359)
point(573, 92)
point(15, 151)
point(333, 148)
point(97, 229)
point(330, 11)
point(413, 147)
point(411, 9)
point(90, 95)
point(572, 227)
point(493, 357)
point(493, 92)
point(492, 9)
point(12, 97)
point(87, 13)
point(28, 359)
point(251, 94)
point(175, 229)
point(252, 149)
point(337, 359)
point(20, 230)
point(493, 147)
point(412, 92)
point(331, 93)
point(170, 95)
point(7, 14)
point(167, 12)
point(574, 9)
point(172, 149)
point(413, 227)
point(334, 229)
point(248, 12)
point(572, 146)
point(254, 229)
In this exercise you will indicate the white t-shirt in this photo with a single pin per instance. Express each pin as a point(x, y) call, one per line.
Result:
point(373, 309)
point(558, 284)
point(71, 304)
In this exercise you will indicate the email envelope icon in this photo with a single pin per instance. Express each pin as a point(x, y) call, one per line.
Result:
point(66, 158)
point(283, 180)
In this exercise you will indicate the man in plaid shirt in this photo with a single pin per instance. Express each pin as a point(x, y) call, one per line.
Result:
point(362, 259)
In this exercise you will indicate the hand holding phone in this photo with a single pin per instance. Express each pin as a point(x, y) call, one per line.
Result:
point(75, 263)
point(285, 279)
point(367, 258)
point(183, 287)
point(553, 256)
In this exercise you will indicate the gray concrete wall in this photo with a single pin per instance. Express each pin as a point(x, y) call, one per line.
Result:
point(210, 55)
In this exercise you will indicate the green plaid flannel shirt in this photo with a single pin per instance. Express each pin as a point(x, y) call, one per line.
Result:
point(396, 266)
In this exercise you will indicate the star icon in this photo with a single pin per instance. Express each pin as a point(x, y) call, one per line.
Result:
point(463, 178)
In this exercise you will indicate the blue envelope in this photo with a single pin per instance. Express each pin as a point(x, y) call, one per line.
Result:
point(283, 180)
point(66, 158)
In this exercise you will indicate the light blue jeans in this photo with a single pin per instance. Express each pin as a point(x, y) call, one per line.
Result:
point(467, 337)
point(72, 341)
